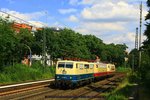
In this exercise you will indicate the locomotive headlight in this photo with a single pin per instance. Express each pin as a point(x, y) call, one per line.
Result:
point(70, 77)
point(57, 76)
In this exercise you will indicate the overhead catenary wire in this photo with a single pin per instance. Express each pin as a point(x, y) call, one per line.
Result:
point(17, 18)
point(27, 22)
point(20, 19)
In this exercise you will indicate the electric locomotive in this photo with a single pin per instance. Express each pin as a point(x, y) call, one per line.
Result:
point(73, 73)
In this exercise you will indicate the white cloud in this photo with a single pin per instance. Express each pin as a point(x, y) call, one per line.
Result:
point(24, 16)
point(120, 11)
point(91, 2)
point(28, 18)
point(85, 2)
point(127, 38)
point(99, 28)
point(73, 18)
point(57, 24)
point(123, 38)
point(73, 2)
point(67, 11)
point(113, 21)
point(38, 23)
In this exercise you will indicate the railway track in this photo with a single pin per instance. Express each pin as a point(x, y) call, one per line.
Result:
point(89, 92)
point(94, 90)
point(17, 88)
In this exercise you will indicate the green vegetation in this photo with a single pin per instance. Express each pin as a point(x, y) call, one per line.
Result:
point(123, 69)
point(21, 73)
point(65, 43)
point(143, 72)
point(121, 93)
point(128, 88)
point(124, 90)
point(69, 44)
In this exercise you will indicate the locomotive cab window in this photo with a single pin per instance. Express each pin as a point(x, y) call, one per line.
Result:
point(65, 65)
point(61, 65)
point(69, 65)
point(112, 68)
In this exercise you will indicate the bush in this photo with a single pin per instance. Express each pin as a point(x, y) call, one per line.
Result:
point(134, 77)
point(19, 73)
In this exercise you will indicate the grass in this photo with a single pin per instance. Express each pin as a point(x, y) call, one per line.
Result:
point(22, 73)
point(124, 90)
point(123, 69)
point(120, 93)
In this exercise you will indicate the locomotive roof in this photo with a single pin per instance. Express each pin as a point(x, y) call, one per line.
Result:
point(85, 62)
point(73, 61)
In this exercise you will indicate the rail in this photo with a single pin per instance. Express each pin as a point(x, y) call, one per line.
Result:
point(8, 89)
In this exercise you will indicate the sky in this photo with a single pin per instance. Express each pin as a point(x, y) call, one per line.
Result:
point(113, 21)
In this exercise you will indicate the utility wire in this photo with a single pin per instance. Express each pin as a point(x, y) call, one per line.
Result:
point(20, 19)
point(32, 23)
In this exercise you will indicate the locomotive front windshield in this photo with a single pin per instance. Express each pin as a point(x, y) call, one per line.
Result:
point(61, 65)
point(65, 65)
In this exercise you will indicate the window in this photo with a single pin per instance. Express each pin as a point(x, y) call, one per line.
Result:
point(69, 65)
point(81, 66)
point(61, 64)
point(86, 66)
point(91, 66)
point(65, 65)
point(112, 68)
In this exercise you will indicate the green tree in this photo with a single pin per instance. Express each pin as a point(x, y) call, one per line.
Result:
point(115, 53)
point(133, 58)
point(8, 43)
point(67, 43)
point(94, 45)
point(25, 39)
point(38, 43)
point(72, 45)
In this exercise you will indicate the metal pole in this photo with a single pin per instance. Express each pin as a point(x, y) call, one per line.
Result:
point(44, 48)
point(136, 39)
point(140, 35)
point(44, 44)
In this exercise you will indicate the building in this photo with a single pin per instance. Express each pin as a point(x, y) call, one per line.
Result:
point(17, 26)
